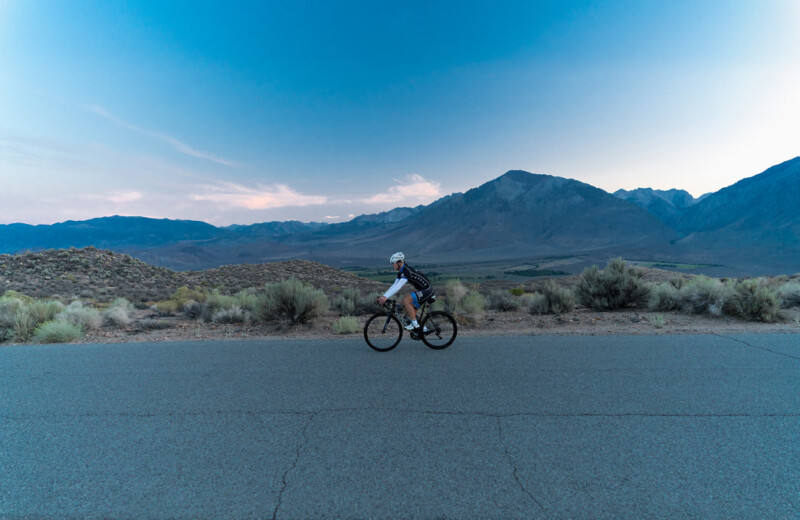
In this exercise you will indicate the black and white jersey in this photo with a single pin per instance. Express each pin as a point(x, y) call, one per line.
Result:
point(417, 279)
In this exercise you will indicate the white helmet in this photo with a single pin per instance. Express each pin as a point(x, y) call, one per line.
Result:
point(397, 257)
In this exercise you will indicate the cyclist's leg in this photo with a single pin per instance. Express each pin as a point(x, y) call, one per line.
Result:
point(411, 305)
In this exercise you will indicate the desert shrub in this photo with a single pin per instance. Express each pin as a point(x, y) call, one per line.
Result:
point(292, 300)
point(86, 318)
point(192, 309)
point(24, 326)
point(657, 321)
point(664, 297)
point(353, 303)
point(473, 304)
point(20, 317)
point(167, 307)
point(455, 292)
point(346, 325)
point(57, 331)
point(44, 310)
point(503, 301)
point(366, 304)
point(789, 293)
point(753, 300)
point(9, 307)
point(14, 295)
point(346, 306)
point(617, 286)
point(705, 295)
point(517, 292)
point(183, 294)
point(233, 314)
point(558, 299)
point(247, 300)
point(119, 313)
point(537, 303)
point(214, 301)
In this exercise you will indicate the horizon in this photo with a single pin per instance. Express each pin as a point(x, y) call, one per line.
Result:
point(351, 217)
point(261, 112)
point(309, 221)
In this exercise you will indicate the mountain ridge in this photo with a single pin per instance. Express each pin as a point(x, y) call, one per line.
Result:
point(515, 215)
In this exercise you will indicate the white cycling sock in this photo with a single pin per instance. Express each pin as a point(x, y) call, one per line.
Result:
point(415, 324)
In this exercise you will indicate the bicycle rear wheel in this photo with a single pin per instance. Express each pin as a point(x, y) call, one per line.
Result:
point(383, 332)
point(442, 330)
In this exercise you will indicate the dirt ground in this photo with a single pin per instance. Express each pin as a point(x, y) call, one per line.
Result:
point(149, 327)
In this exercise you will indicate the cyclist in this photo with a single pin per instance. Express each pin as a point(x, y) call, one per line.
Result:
point(411, 302)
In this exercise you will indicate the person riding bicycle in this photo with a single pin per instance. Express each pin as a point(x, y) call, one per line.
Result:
point(413, 301)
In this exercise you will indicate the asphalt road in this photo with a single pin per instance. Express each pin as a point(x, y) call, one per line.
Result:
point(528, 427)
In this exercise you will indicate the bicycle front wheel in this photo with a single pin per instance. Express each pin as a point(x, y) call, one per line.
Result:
point(383, 332)
point(442, 330)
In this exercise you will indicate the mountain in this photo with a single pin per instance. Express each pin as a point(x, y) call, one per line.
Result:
point(667, 206)
point(107, 233)
point(750, 226)
point(757, 219)
point(523, 213)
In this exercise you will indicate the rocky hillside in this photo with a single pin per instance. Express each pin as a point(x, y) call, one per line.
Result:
point(104, 275)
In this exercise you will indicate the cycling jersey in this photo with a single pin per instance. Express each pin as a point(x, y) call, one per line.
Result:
point(409, 274)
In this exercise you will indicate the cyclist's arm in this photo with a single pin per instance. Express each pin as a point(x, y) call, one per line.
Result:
point(398, 284)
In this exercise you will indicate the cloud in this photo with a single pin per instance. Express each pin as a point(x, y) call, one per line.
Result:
point(414, 189)
point(117, 197)
point(171, 141)
point(262, 197)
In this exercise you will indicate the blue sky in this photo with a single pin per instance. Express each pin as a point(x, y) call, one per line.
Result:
point(241, 112)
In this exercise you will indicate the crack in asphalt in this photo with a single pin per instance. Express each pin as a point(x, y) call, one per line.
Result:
point(284, 483)
point(757, 346)
point(514, 465)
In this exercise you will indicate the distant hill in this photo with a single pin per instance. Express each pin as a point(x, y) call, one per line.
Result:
point(667, 206)
point(105, 275)
point(752, 226)
point(756, 220)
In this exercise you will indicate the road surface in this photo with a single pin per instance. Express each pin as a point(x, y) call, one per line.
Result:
point(529, 427)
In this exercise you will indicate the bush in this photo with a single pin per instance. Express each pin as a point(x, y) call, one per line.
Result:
point(86, 318)
point(617, 286)
point(9, 307)
point(705, 295)
point(167, 307)
point(192, 309)
point(558, 299)
point(44, 310)
point(537, 303)
point(14, 295)
point(183, 294)
point(24, 326)
point(57, 331)
point(346, 306)
point(233, 314)
point(119, 313)
point(455, 292)
point(664, 297)
point(473, 304)
point(292, 300)
point(215, 301)
point(346, 325)
point(503, 301)
point(753, 300)
point(789, 293)
point(247, 300)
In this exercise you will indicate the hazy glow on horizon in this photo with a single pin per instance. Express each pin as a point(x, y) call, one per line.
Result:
point(252, 112)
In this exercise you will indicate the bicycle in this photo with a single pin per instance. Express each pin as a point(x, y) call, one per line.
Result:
point(384, 330)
